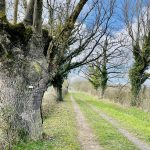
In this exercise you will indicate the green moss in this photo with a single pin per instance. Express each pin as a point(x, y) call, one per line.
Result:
point(3, 16)
point(9, 55)
point(137, 73)
point(18, 32)
point(45, 32)
point(22, 134)
point(37, 68)
point(28, 33)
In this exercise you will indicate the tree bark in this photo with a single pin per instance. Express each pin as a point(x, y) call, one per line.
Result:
point(23, 81)
point(37, 23)
point(24, 73)
point(59, 95)
point(25, 4)
point(28, 20)
point(2, 10)
point(57, 83)
point(16, 11)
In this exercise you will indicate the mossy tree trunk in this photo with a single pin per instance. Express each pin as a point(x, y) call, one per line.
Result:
point(140, 38)
point(23, 81)
point(2, 10)
point(104, 79)
point(57, 83)
point(23, 76)
point(26, 64)
point(137, 73)
point(98, 73)
point(104, 72)
point(59, 94)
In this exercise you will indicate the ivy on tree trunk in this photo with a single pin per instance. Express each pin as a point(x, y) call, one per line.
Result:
point(137, 73)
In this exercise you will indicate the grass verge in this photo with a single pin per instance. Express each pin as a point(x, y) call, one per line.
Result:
point(60, 128)
point(133, 119)
point(107, 135)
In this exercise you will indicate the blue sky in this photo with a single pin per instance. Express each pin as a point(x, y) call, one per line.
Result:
point(116, 19)
point(118, 25)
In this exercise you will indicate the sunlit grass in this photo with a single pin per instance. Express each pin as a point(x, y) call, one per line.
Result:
point(108, 136)
point(60, 128)
point(133, 119)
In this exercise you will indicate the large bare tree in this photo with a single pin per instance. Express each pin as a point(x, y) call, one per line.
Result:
point(27, 63)
point(111, 64)
point(84, 39)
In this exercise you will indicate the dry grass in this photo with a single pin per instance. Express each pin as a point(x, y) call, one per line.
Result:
point(49, 102)
point(117, 94)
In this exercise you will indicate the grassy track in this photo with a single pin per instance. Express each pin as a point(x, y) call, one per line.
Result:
point(133, 119)
point(108, 136)
point(60, 127)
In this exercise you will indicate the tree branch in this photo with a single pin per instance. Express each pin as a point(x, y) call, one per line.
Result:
point(28, 20)
point(37, 18)
point(2, 10)
point(70, 22)
point(15, 11)
point(25, 4)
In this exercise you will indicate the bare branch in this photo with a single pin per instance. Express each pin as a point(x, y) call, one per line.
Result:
point(25, 4)
point(2, 10)
point(70, 22)
point(28, 20)
point(37, 18)
point(15, 11)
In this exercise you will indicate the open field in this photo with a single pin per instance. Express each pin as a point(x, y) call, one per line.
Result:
point(120, 94)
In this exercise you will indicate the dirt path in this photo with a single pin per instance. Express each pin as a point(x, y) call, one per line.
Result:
point(85, 135)
point(137, 142)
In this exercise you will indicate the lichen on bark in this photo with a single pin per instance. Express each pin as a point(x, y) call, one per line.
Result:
point(23, 84)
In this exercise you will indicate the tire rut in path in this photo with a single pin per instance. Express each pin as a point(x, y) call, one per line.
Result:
point(137, 142)
point(86, 137)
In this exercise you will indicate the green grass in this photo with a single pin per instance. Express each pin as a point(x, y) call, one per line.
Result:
point(60, 126)
point(109, 138)
point(133, 119)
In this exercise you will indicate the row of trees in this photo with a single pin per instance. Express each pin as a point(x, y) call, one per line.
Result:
point(35, 52)
point(110, 65)
point(136, 33)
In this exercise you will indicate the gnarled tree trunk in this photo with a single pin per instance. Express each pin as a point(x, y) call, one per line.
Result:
point(24, 69)
point(23, 79)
